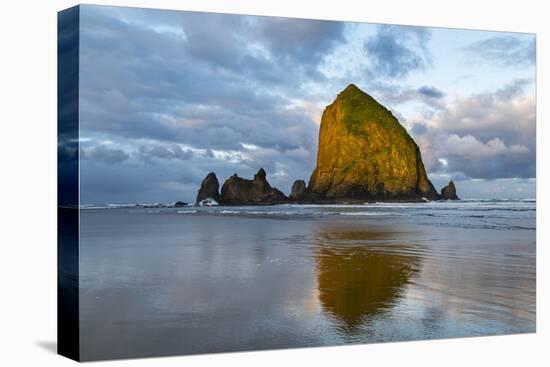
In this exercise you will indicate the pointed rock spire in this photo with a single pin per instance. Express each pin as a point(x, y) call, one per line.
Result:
point(449, 192)
point(209, 188)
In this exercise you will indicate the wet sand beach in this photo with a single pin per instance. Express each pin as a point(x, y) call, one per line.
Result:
point(202, 280)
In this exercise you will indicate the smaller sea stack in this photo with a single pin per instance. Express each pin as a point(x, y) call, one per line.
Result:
point(240, 191)
point(209, 188)
point(298, 190)
point(449, 192)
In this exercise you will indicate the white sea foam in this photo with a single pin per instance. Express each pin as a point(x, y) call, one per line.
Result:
point(208, 202)
point(121, 205)
point(325, 205)
point(370, 213)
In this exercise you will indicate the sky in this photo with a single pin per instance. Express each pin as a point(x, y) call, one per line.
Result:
point(168, 96)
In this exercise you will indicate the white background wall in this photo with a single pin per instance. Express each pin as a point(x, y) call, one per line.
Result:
point(28, 182)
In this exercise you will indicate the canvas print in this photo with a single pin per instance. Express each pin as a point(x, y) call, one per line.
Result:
point(237, 182)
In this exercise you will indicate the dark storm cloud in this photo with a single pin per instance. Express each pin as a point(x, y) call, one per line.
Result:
point(172, 88)
point(152, 81)
point(300, 44)
point(395, 51)
point(505, 50)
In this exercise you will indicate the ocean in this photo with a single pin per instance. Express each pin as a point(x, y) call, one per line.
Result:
point(167, 281)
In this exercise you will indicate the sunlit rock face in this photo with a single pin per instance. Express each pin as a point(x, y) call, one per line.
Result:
point(356, 278)
point(365, 154)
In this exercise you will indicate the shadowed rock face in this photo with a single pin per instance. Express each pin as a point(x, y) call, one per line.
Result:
point(364, 153)
point(209, 188)
point(298, 190)
point(449, 192)
point(240, 191)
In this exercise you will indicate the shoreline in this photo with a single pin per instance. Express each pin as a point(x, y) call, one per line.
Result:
point(324, 202)
point(291, 203)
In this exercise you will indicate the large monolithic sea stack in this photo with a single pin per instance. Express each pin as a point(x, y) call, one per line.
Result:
point(364, 153)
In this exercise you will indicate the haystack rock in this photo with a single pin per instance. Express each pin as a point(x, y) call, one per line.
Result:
point(240, 191)
point(298, 190)
point(364, 153)
point(449, 192)
point(209, 188)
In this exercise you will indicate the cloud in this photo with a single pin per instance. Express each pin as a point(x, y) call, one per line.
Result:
point(487, 135)
point(104, 154)
point(396, 51)
point(394, 95)
point(510, 51)
point(418, 128)
point(489, 160)
point(506, 111)
point(430, 92)
point(171, 82)
point(164, 99)
point(513, 89)
point(469, 146)
point(173, 151)
point(304, 40)
point(208, 89)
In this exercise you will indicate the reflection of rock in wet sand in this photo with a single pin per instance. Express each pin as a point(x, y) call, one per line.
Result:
point(360, 273)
